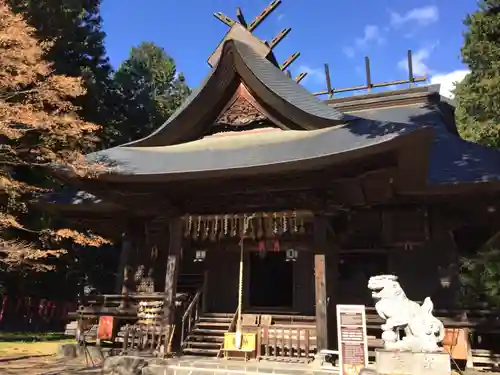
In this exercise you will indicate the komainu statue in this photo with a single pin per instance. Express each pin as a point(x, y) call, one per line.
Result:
point(423, 331)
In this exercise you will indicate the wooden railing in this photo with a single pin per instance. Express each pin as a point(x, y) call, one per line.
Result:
point(286, 343)
point(147, 338)
point(190, 316)
point(118, 305)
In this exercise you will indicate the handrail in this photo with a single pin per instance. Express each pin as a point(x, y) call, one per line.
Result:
point(191, 305)
point(234, 320)
point(188, 314)
point(230, 329)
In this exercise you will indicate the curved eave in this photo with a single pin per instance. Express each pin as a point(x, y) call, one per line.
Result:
point(73, 201)
point(271, 87)
point(278, 152)
point(455, 166)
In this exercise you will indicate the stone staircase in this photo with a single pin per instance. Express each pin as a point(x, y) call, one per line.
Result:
point(207, 336)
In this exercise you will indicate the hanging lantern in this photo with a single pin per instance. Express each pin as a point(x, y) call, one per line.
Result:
point(200, 255)
point(291, 255)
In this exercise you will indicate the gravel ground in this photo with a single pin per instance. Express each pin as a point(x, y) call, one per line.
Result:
point(46, 366)
point(53, 365)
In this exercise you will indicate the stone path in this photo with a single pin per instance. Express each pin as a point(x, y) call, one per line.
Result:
point(47, 366)
point(53, 365)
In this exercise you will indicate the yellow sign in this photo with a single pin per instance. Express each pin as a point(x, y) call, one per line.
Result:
point(248, 342)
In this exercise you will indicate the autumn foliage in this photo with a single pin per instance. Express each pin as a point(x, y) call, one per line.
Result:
point(39, 128)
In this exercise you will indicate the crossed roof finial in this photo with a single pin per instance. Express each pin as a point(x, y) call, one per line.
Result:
point(250, 27)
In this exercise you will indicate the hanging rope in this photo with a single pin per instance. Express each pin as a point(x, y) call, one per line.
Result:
point(246, 222)
point(240, 286)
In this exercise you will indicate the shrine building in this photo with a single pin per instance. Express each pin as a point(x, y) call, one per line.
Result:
point(258, 205)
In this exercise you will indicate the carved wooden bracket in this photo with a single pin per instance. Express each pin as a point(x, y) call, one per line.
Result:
point(241, 110)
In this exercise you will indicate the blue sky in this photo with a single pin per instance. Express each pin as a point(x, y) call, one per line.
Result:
point(340, 33)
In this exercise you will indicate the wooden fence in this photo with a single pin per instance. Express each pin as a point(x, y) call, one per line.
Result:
point(287, 343)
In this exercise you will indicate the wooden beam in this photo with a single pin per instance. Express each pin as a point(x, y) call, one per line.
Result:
point(328, 81)
point(368, 73)
point(289, 61)
point(326, 260)
point(410, 69)
point(321, 301)
point(265, 13)
point(278, 38)
point(300, 77)
point(224, 19)
point(369, 84)
point(122, 275)
point(241, 17)
point(173, 262)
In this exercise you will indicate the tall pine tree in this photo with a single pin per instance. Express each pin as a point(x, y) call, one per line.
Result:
point(151, 90)
point(478, 95)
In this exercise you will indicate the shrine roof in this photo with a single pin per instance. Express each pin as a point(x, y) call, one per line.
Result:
point(452, 160)
point(269, 84)
point(262, 151)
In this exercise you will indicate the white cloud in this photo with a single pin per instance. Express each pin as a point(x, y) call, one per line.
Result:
point(421, 16)
point(419, 61)
point(316, 75)
point(448, 81)
point(349, 51)
point(371, 34)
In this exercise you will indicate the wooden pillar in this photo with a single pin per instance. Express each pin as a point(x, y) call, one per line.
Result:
point(326, 277)
point(172, 270)
point(126, 250)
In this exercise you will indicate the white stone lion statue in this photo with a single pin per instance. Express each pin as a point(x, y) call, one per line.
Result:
point(423, 331)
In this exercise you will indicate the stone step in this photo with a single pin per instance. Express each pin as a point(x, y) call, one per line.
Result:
point(219, 320)
point(218, 315)
point(210, 323)
point(205, 338)
point(214, 332)
point(195, 344)
point(200, 351)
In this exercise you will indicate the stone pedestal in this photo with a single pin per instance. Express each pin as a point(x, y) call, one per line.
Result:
point(390, 362)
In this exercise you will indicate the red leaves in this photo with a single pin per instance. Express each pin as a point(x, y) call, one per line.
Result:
point(39, 126)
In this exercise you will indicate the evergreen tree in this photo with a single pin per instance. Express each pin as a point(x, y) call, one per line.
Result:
point(151, 90)
point(480, 275)
point(478, 95)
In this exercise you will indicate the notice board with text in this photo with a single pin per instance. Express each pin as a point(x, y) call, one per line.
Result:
point(352, 339)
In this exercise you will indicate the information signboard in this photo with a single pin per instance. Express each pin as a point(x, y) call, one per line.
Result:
point(352, 339)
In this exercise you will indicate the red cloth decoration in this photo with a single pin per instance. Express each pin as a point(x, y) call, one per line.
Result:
point(262, 245)
point(276, 245)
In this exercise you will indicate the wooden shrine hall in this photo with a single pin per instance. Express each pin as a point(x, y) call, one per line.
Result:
point(259, 207)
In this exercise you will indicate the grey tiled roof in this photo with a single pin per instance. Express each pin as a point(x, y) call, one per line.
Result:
point(269, 75)
point(452, 160)
point(286, 88)
point(275, 148)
